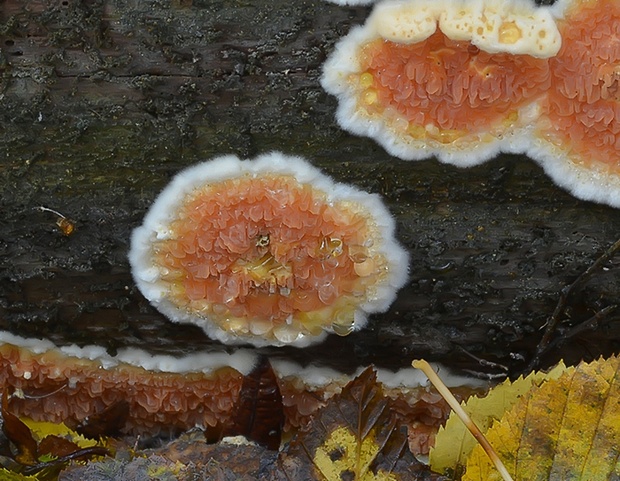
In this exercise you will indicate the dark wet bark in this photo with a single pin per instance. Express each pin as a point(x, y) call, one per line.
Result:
point(104, 101)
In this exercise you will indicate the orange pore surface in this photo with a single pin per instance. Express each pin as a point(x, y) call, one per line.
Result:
point(584, 99)
point(265, 248)
point(452, 85)
point(57, 388)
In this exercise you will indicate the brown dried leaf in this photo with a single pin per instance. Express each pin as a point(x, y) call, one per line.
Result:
point(355, 437)
point(56, 446)
point(18, 433)
point(108, 422)
point(259, 415)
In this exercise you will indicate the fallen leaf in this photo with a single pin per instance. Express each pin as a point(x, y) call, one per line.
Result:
point(108, 422)
point(259, 414)
point(356, 437)
point(564, 429)
point(6, 475)
point(454, 442)
point(43, 448)
point(18, 433)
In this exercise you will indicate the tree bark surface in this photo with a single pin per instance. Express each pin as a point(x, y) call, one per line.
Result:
point(103, 101)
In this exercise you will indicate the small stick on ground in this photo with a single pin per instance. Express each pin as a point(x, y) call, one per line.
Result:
point(426, 368)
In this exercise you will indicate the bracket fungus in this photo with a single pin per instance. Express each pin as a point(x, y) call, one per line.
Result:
point(465, 80)
point(168, 394)
point(577, 139)
point(267, 252)
point(458, 80)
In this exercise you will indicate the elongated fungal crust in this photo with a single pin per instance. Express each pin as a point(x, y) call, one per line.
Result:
point(268, 252)
point(167, 394)
point(458, 80)
point(578, 135)
point(164, 393)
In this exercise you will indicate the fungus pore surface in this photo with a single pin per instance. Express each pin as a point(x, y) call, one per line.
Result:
point(446, 90)
point(165, 394)
point(465, 80)
point(269, 252)
point(459, 80)
point(578, 137)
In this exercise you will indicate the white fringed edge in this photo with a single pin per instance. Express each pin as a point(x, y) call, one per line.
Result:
point(162, 212)
point(242, 360)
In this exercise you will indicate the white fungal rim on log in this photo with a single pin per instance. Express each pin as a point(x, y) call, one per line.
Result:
point(241, 360)
point(584, 176)
point(162, 213)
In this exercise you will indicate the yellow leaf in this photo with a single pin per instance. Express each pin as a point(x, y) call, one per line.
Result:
point(357, 436)
point(564, 429)
point(454, 442)
point(6, 475)
point(342, 453)
point(42, 429)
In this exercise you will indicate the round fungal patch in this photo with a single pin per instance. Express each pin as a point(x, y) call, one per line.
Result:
point(465, 80)
point(268, 252)
point(444, 78)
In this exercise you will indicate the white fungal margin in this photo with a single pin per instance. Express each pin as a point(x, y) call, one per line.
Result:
point(316, 377)
point(242, 360)
point(162, 212)
point(594, 182)
point(313, 376)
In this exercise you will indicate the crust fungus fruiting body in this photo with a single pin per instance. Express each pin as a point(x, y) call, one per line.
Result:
point(171, 394)
point(465, 80)
point(459, 80)
point(163, 392)
point(269, 252)
point(578, 134)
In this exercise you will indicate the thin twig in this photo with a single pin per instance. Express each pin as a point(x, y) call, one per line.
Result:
point(587, 325)
point(565, 295)
point(426, 368)
point(47, 209)
point(483, 362)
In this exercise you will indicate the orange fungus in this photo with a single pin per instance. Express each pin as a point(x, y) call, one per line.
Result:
point(459, 80)
point(579, 129)
point(267, 252)
point(446, 89)
point(465, 80)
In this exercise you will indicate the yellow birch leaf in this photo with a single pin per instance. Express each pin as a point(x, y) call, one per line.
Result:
point(564, 429)
point(454, 442)
point(7, 475)
point(342, 452)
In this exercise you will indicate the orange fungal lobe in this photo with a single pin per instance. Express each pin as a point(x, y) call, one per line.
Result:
point(458, 80)
point(267, 252)
point(463, 81)
point(449, 89)
point(580, 121)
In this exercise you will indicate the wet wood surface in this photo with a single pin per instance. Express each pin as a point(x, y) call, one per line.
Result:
point(104, 101)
